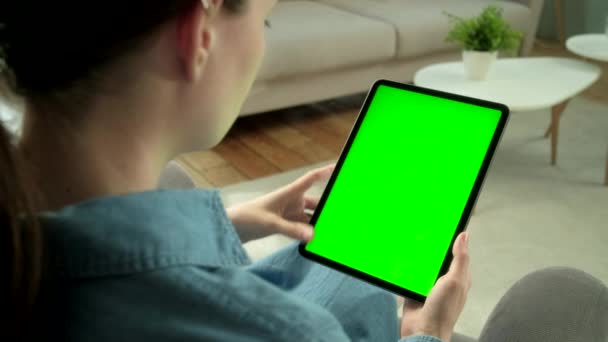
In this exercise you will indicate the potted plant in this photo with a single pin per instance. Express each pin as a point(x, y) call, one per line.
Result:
point(481, 38)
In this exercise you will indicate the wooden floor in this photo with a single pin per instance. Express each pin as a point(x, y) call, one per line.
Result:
point(269, 143)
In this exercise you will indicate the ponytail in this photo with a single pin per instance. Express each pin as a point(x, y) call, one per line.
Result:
point(21, 242)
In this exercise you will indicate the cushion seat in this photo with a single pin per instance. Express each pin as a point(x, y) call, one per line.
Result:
point(333, 39)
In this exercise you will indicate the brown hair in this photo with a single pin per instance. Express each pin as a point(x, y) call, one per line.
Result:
point(52, 52)
point(21, 239)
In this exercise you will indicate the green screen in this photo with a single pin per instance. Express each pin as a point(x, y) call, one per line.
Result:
point(399, 196)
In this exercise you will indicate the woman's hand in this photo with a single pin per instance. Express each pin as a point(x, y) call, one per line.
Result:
point(281, 211)
point(444, 304)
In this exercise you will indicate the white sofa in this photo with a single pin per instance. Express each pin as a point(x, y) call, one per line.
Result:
point(321, 49)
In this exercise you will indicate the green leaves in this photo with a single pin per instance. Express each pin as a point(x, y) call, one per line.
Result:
point(487, 32)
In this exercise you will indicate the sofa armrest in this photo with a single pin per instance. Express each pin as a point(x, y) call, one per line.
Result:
point(536, 7)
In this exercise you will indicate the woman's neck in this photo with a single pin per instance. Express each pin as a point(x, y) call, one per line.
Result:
point(105, 155)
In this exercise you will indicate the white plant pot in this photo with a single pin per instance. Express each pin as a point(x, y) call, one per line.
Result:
point(477, 64)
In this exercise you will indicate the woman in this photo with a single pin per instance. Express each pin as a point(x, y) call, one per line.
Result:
point(112, 92)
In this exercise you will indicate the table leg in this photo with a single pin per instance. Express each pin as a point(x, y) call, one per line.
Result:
point(556, 114)
point(559, 20)
point(561, 109)
point(606, 176)
point(548, 131)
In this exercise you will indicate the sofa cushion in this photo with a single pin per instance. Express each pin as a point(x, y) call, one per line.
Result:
point(422, 24)
point(306, 37)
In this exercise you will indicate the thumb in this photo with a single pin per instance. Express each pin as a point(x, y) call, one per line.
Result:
point(460, 263)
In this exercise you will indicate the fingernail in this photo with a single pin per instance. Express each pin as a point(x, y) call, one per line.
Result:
point(466, 239)
point(307, 235)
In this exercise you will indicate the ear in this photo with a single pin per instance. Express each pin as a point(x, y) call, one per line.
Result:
point(195, 40)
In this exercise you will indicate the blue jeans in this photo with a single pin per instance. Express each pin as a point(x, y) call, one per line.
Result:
point(366, 312)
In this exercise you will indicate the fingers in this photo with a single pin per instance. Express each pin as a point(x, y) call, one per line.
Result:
point(311, 202)
point(305, 182)
point(296, 230)
point(304, 217)
point(304, 214)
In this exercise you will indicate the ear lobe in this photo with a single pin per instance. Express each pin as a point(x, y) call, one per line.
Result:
point(202, 52)
point(195, 39)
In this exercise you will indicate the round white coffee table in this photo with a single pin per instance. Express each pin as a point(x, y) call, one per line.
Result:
point(523, 84)
point(592, 46)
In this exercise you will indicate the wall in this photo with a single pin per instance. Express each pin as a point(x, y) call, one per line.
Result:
point(10, 118)
point(580, 16)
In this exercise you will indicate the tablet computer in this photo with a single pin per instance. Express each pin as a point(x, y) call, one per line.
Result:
point(404, 186)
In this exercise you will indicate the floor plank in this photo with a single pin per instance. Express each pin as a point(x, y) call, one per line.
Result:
point(223, 175)
point(202, 160)
point(282, 134)
point(278, 155)
point(245, 160)
point(315, 152)
point(311, 127)
point(348, 117)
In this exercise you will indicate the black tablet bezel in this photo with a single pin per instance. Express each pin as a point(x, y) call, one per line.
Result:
point(468, 208)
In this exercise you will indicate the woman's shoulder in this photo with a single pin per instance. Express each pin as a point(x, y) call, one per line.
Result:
point(141, 232)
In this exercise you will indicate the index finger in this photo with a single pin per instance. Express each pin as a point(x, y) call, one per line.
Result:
point(303, 183)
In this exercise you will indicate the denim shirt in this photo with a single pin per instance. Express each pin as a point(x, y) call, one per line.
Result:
point(166, 265)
